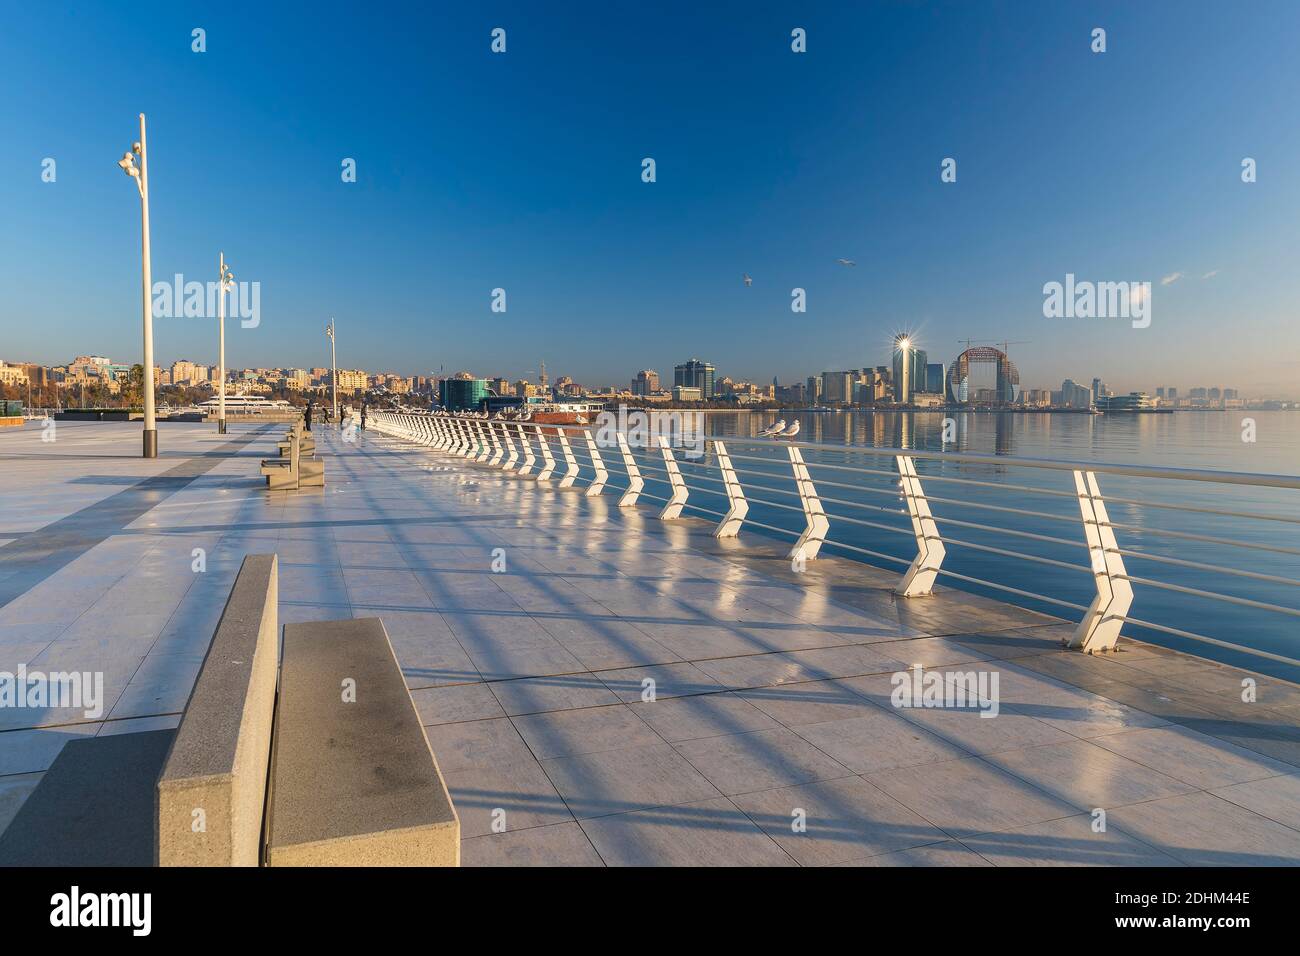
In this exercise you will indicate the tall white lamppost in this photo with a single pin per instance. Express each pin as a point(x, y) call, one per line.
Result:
point(225, 282)
point(334, 373)
point(141, 175)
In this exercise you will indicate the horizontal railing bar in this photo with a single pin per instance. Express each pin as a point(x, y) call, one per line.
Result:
point(828, 543)
point(1211, 595)
point(1189, 536)
point(1018, 555)
point(1202, 566)
point(1010, 590)
point(1177, 632)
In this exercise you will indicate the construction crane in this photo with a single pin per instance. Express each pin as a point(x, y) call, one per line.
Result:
point(1004, 343)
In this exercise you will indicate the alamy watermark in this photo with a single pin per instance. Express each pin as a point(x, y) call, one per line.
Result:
point(1098, 300)
point(958, 690)
point(56, 689)
point(179, 299)
point(683, 430)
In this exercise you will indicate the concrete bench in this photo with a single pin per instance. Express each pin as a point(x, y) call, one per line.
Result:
point(210, 794)
point(353, 780)
point(291, 472)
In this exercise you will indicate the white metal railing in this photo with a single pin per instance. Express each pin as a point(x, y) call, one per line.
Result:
point(564, 452)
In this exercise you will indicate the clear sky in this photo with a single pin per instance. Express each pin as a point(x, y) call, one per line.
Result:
point(522, 170)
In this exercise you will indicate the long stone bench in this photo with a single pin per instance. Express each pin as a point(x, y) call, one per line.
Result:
point(353, 779)
point(291, 472)
point(211, 791)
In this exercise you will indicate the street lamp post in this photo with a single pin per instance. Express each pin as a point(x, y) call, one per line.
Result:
point(225, 283)
point(141, 176)
point(334, 372)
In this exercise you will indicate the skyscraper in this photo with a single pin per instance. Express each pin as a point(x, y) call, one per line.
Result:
point(909, 369)
point(695, 374)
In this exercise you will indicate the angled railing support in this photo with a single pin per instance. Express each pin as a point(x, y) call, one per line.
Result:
point(1100, 627)
point(810, 542)
point(512, 453)
point(570, 461)
point(738, 507)
point(677, 499)
point(919, 578)
point(634, 480)
point(526, 468)
point(598, 482)
point(548, 460)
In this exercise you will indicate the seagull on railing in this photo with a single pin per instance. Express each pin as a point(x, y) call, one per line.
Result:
point(773, 429)
point(789, 432)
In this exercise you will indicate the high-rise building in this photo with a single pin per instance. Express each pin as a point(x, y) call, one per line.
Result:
point(813, 389)
point(695, 374)
point(934, 378)
point(461, 392)
point(645, 383)
point(837, 387)
point(1074, 395)
point(909, 369)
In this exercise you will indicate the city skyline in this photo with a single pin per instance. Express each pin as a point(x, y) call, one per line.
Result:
point(770, 165)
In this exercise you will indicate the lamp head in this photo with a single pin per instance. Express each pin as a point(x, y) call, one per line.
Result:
point(127, 162)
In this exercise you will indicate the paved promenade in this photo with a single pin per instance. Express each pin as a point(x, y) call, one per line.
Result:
point(771, 738)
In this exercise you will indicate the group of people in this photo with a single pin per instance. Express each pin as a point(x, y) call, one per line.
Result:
point(327, 414)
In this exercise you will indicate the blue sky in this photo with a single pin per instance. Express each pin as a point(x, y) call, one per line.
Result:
point(522, 171)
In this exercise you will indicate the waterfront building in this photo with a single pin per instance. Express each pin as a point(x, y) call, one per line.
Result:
point(1132, 402)
point(1074, 395)
point(695, 374)
point(462, 392)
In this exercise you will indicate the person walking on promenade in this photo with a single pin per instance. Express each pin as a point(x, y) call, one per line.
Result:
point(363, 416)
point(308, 416)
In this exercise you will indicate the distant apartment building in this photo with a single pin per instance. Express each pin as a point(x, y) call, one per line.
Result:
point(837, 387)
point(687, 393)
point(1074, 395)
point(352, 380)
point(813, 389)
point(13, 375)
point(646, 383)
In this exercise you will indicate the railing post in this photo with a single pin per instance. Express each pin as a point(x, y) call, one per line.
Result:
point(548, 460)
point(484, 448)
point(810, 542)
point(570, 462)
point(677, 500)
point(634, 480)
point(598, 482)
point(512, 453)
point(527, 467)
point(919, 578)
point(1100, 627)
point(497, 450)
point(729, 526)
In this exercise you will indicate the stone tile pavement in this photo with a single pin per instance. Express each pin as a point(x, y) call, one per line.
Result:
point(630, 691)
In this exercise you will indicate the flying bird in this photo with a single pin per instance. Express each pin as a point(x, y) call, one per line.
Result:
point(773, 429)
point(846, 262)
point(748, 280)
